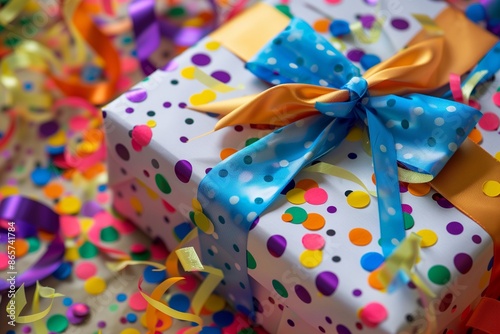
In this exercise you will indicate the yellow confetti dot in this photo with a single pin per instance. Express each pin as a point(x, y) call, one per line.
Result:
point(203, 222)
point(358, 199)
point(215, 303)
point(311, 258)
point(497, 156)
point(95, 285)
point(144, 321)
point(71, 254)
point(86, 224)
point(136, 204)
point(188, 72)
point(58, 139)
point(6, 191)
point(130, 330)
point(196, 205)
point(491, 188)
point(86, 147)
point(484, 280)
point(296, 196)
point(151, 123)
point(194, 22)
point(204, 97)
point(355, 134)
point(429, 238)
point(419, 189)
point(69, 205)
point(212, 46)
point(151, 193)
point(360, 236)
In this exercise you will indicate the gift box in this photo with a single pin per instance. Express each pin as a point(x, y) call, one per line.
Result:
point(312, 257)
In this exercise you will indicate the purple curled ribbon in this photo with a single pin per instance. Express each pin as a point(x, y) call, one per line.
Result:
point(27, 217)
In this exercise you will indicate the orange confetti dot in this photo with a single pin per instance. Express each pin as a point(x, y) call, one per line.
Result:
point(314, 222)
point(373, 179)
point(45, 236)
point(53, 190)
point(476, 136)
point(22, 247)
point(306, 184)
point(321, 25)
point(93, 171)
point(419, 189)
point(226, 153)
point(360, 236)
point(374, 280)
point(287, 217)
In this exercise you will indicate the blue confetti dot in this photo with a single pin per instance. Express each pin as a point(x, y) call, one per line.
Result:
point(490, 264)
point(67, 301)
point(54, 150)
point(10, 331)
point(40, 176)
point(181, 230)
point(223, 318)
point(28, 86)
point(371, 261)
point(121, 297)
point(131, 317)
point(63, 271)
point(339, 28)
point(152, 276)
point(179, 302)
point(102, 187)
point(476, 12)
point(210, 330)
point(368, 61)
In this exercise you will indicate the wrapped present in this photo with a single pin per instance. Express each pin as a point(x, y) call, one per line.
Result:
point(314, 251)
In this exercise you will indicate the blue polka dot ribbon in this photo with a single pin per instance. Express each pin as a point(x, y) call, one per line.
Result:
point(416, 132)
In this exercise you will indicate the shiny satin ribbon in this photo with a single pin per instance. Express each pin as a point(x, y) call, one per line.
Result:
point(11, 10)
point(322, 116)
point(30, 216)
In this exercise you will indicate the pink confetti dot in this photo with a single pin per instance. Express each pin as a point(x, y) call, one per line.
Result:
point(489, 121)
point(138, 248)
point(316, 196)
point(373, 314)
point(78, 123)
point(313, 241)
point(4, 261)
point(158, 251)
point(85, 270)
point(496, 99)
point(70, 226)
point(188, 284)
point(137, 302)
point(142, 135)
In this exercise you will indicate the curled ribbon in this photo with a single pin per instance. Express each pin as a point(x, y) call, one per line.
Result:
point(418, 132)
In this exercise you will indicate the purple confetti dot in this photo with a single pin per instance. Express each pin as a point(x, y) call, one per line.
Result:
point(26, 329)
point(101, 324)
point(129, 110)
point(276, 245)
point(400, 24)
point(403, 188)
point(367, 21)
point(238, 128)
point(222, 76)
point(122, 152)
point(48, 129)
point(167, 104)
point(476, 239)
point(290, 323)
point(355, 54)
point(183, 170)
point(407, 208)
point(454, 228)
point(254, 224)
point(200, 59)
point(331, 209)
point(444, 203)
point(171, 66)
point(328, 319)
point(341, 329)
point(183, 139)
point(208, 170)
point(357, 292)
point(326, 283)
point(136, 95)
point(182, 105)
point(303, 294)
point(463, 262)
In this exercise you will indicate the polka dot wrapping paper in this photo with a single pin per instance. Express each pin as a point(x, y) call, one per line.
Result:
point(313, 256)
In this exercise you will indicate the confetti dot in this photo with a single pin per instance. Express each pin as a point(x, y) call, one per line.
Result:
point(57, 323)
point(40, 176)
point(69, 205)
point(303, 294)
point(154, 276)
point(179, 302)
point(463, 262)
point(299, 215)
point(419, 189)
point(408, 220)
point(306, 184)
point(136, 95)
point(371, 261)
point(296, 196)
point(321, 25)
point(137, 302)
point(454, 228)
point(374, 280)
point(130, 330)
point(314, 222)
point(311, 258)
point(95, 285)
point(326, 283)
point(279, 288)
point(21, 247)
point(212, 45)
point(429, 238)
point(183, 170)
point(491, 188)
point(109, 234)
point(88, 250)
point(215, 303)
point(316, 196)
point(358, 199)
point(439, 274)
point(85, 270)
point(162, 184)
point(53, 190)
point(313, 241)
point(373, 314)
point(225, 153)
point(200, 59)
point(360, 236)
point(4, 261)
point(400, 23)
point(276, 245)
point(223, 318)
point(489, 121)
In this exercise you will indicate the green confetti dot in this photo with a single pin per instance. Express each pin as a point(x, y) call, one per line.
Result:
point(439, 275)
point(250, 141)
point(280, 289)
point(88, 250)
point(251, 263)
point(299, 215)
point(57, 323)
point(109, 234)
point(34, 244)
point(162, 184)
point(285, 10)
point(189, 121)
point(408, 219)
point(143, 256)
point(176, 12)
point(113, 307)
point(151, 113)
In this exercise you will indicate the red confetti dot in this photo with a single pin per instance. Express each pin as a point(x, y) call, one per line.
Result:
point(489, 121)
